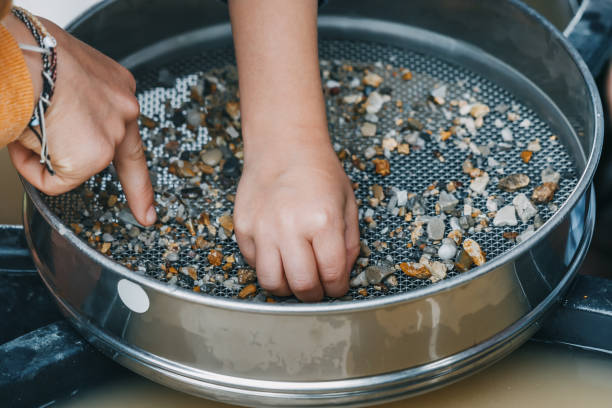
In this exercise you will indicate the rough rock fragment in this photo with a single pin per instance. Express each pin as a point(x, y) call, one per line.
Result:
point(215, 257)
point(382, 167)
point(435, 229)
point(372, 79)
point(447, 201)
point(549, 175)
point(415, 270)
point(506, 216)
point(438, 271)
point(376, 273)
point(513, 182)
point(473, 249)
point(368, 129)
point(479, 184)
point(544, 192)
point(524, 208)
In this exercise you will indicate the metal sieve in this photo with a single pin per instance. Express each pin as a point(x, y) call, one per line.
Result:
point(413, 173)
point(377, 348)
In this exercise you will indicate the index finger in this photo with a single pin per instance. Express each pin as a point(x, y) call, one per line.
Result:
point(131, 166)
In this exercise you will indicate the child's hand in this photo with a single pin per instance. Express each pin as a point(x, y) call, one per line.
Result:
point(295, 215)
point(296, 221)
point(92, 121)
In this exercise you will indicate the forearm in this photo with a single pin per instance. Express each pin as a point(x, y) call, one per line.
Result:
point(280, 87)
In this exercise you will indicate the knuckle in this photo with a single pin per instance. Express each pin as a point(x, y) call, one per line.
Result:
point(135, 151)
point(304, 285)
point(332, 274)
point(353, 250)
point(128, 77)
point(242, 227)
point(115, 130)
point(272, 283)
point(131, 107)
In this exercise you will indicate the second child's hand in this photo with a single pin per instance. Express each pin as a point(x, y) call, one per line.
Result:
point(295, 215)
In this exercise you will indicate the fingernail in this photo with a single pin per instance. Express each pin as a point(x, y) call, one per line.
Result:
point(151, 215)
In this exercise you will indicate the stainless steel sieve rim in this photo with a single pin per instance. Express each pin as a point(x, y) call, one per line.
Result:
point(365, 390)
point(340, 307)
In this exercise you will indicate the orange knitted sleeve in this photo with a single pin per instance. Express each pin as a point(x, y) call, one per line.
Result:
point(16, 90)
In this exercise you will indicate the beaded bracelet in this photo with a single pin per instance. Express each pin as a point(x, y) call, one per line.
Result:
point(46, 47)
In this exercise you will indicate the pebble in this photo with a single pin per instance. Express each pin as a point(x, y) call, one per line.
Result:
point(415, 270)
point(377, 192)
point(374, 102)
point(479, 110)
point(382, 167)
point(479, 184)
point(513, 182)
point(447, 201)
point(372, 79)
point(506, 135)
point(232, 132)
point(549, 175)
point(359, 280)
point(524, 208)
point(172, 257)
point(473, 250)
point(376, 273)
point(351, 99)
point(232, 168)
point(368, 129)
point(369, 152)
point(194, 118)
point(447, 250)
point(464, 261)
point(211, 157)
point(506, 216)
point(438, 271)
point(402, 197)
point(435, 229)
point(233, 110)
point(525, 234)
point(544, 193)
point(534, 146)
point(246, 276)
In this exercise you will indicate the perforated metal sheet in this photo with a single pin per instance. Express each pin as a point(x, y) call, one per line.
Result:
point(414, 172)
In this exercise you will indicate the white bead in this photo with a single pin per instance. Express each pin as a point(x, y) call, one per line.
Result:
point(49, 42)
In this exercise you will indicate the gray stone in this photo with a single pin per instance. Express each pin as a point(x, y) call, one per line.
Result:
point(435, 229)
point(447, 201)
point(359, 280)
point(369, 152)
point(212, 157)
point(549, 175)
point(524, 208)
point(506, 216)
point(479, 184)
point(376, 273)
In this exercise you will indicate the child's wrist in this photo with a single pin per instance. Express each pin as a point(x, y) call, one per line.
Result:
point(33, 61)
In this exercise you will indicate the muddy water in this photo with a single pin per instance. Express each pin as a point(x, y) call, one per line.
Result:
point(536, 375)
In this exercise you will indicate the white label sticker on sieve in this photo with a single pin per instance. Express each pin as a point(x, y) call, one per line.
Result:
point(133, 296)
